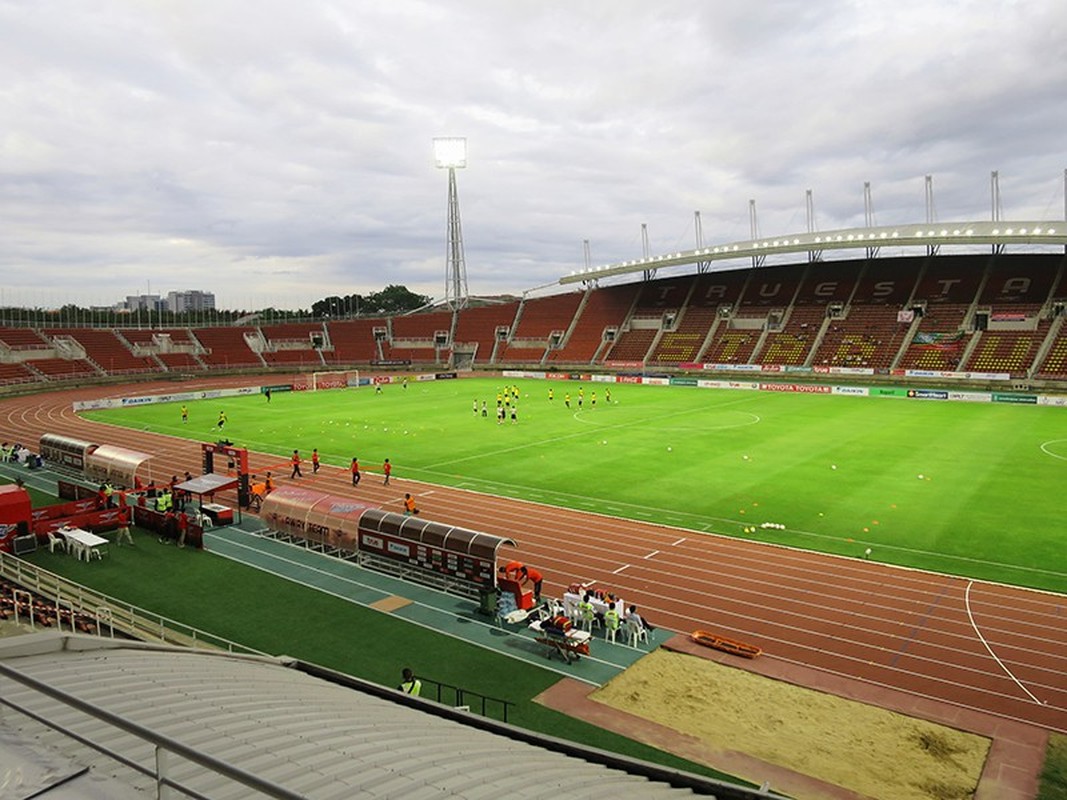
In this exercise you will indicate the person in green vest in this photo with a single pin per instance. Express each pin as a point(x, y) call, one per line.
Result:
point(611, 622)
point(410, 685)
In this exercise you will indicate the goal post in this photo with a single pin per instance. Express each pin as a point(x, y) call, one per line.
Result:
point(334, 379)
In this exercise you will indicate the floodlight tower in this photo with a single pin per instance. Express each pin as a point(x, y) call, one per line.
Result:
point(451, 153)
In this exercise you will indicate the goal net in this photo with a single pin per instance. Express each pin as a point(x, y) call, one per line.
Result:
point(338, 379)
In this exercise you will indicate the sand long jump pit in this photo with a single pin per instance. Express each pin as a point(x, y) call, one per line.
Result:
point(868, 750)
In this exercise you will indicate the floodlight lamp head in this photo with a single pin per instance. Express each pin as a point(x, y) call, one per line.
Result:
point(450, 152)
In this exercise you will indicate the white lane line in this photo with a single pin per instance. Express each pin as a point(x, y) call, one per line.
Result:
point(675, 544)
point(653, 553)
point(620, 569)
point(978, 633)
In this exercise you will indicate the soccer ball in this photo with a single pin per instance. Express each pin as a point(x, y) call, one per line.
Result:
point(920, 477)
point(833, 466)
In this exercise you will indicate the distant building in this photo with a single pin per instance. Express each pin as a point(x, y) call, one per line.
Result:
point(190, 300)
point(144, 302)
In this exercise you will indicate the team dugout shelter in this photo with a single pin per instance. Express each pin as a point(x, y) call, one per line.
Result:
point(100, 463)
point(447, 557)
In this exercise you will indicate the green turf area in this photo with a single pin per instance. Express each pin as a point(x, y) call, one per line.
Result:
point(964, 488)
point(212, 594)
point(1054, 775)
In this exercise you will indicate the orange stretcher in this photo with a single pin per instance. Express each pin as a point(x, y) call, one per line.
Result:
point(731, 646)
point(571, 644)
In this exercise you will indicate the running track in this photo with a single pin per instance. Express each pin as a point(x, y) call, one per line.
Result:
point(973, 645)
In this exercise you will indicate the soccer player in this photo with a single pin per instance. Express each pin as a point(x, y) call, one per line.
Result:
point(550, 394)
point(567, 400)
point(185, 414)
point(222, 420)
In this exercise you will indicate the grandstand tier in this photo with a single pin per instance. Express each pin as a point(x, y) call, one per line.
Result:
point(993, 314)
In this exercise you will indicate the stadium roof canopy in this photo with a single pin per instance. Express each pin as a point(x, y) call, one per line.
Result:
point(931, 235)
point(227, 725)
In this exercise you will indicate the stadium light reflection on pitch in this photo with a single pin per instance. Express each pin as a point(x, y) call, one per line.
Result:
point(450, 152)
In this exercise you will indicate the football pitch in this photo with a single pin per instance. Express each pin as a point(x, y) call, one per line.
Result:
point(972, 489)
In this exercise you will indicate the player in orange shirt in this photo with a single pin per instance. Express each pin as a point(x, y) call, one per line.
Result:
point(512, 570)
point(295, 461)
point(536, 578)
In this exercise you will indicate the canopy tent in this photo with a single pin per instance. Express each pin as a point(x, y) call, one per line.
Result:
point(207, 484)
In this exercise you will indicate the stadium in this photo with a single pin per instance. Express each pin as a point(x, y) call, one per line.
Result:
point(919, 378)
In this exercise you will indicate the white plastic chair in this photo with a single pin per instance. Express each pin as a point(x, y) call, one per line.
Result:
point(589, 620)
point(635, 632)
point(609, 632)
point(54, 542)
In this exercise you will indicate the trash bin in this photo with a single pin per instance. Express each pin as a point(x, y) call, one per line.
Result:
point(487, 602)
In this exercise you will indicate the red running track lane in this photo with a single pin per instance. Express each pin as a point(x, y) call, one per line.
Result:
point(996, 649)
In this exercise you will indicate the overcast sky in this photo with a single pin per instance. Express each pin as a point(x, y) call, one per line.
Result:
point(279, 152)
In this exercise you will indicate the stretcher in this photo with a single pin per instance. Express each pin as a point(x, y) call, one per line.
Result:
point(571, 644)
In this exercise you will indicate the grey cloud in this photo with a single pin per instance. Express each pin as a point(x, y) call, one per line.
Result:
point(284, 149)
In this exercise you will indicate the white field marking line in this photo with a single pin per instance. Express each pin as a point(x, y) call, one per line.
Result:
point(620, 426)
point(491, 488)
point(675, 544)
point(500, 491)
point(344, 580)
point(1047, 452)
point(653, 553)
point(842, 655)
point(926, 695)
point(620, 569)
point(756, 419)
point(981, 638)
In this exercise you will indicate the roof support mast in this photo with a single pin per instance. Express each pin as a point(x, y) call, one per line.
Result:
point(809, 208)
point(702, 266)
point(868, 216)
point(753, 226)
point(646, 251)
point(931, 212)
point(994, 192)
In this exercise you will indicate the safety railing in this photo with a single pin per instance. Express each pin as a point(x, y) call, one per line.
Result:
point(112, 615)
point(466, 699)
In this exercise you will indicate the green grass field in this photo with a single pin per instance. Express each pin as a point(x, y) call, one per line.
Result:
point(964, 488)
